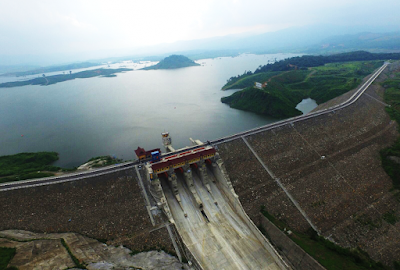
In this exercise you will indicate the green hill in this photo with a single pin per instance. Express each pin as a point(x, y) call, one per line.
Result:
point(307, 61)
point(285, 89)
point(173, 61)
point(262, 102)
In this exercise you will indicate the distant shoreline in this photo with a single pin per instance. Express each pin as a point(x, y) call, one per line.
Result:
point(48, 80)
point(49, 69)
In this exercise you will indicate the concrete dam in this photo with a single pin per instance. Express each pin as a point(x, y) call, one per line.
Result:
point(322, 172)
point(195, 192)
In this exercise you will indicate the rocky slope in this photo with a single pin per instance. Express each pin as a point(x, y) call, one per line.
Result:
point(64, 250)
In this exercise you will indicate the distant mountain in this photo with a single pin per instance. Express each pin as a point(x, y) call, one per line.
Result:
point(16, 68)
point(310, 39)
point(305, 39)
point(173, 61)
point(374, 42)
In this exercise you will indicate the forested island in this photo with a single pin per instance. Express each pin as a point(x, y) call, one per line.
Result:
point(44, 80)
point(288, 81)
point(172, 62)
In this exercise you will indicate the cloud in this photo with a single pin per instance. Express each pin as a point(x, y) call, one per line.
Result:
point(45, 27)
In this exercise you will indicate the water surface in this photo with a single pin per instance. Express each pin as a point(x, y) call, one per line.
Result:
point(90, 117)
point(306, 105)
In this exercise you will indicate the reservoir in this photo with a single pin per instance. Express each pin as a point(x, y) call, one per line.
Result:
point(306, 105)
point(84, 118)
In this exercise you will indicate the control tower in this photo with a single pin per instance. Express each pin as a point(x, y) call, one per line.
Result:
point(167, 142)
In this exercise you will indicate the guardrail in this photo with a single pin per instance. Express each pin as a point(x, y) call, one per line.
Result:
point(66, 178)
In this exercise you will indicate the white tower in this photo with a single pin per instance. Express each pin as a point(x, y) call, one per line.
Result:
point(167, 142)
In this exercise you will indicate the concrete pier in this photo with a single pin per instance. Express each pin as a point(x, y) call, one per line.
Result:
point(202, 169)
point(174, 186)
point(188, 175)
point(158, 195)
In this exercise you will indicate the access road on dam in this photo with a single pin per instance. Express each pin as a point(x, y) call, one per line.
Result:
point(130, 165)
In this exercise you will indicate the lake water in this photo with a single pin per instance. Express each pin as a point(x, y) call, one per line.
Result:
point(84, 118)
point(306, 105)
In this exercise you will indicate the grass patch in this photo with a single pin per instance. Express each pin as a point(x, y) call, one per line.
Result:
point(328, 254)
point(6, 255)
point(76, 261)
point(390, 217)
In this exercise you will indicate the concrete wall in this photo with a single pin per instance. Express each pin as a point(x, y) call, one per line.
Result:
point(185, 251)
point(223, 183)
point(293, 254)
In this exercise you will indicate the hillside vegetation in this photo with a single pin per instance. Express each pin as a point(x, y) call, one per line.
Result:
point(391, 156)
point(172, 62)
point(327, 253)
point(27, 165)
point(6, 255)
point(307, 61)
point(285, 89)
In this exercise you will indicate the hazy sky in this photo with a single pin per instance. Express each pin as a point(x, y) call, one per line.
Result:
point(30, 27)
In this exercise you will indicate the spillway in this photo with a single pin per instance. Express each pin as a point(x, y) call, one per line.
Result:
point(218, 237)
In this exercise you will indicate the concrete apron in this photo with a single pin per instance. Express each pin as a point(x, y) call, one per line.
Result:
point(223, 237)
